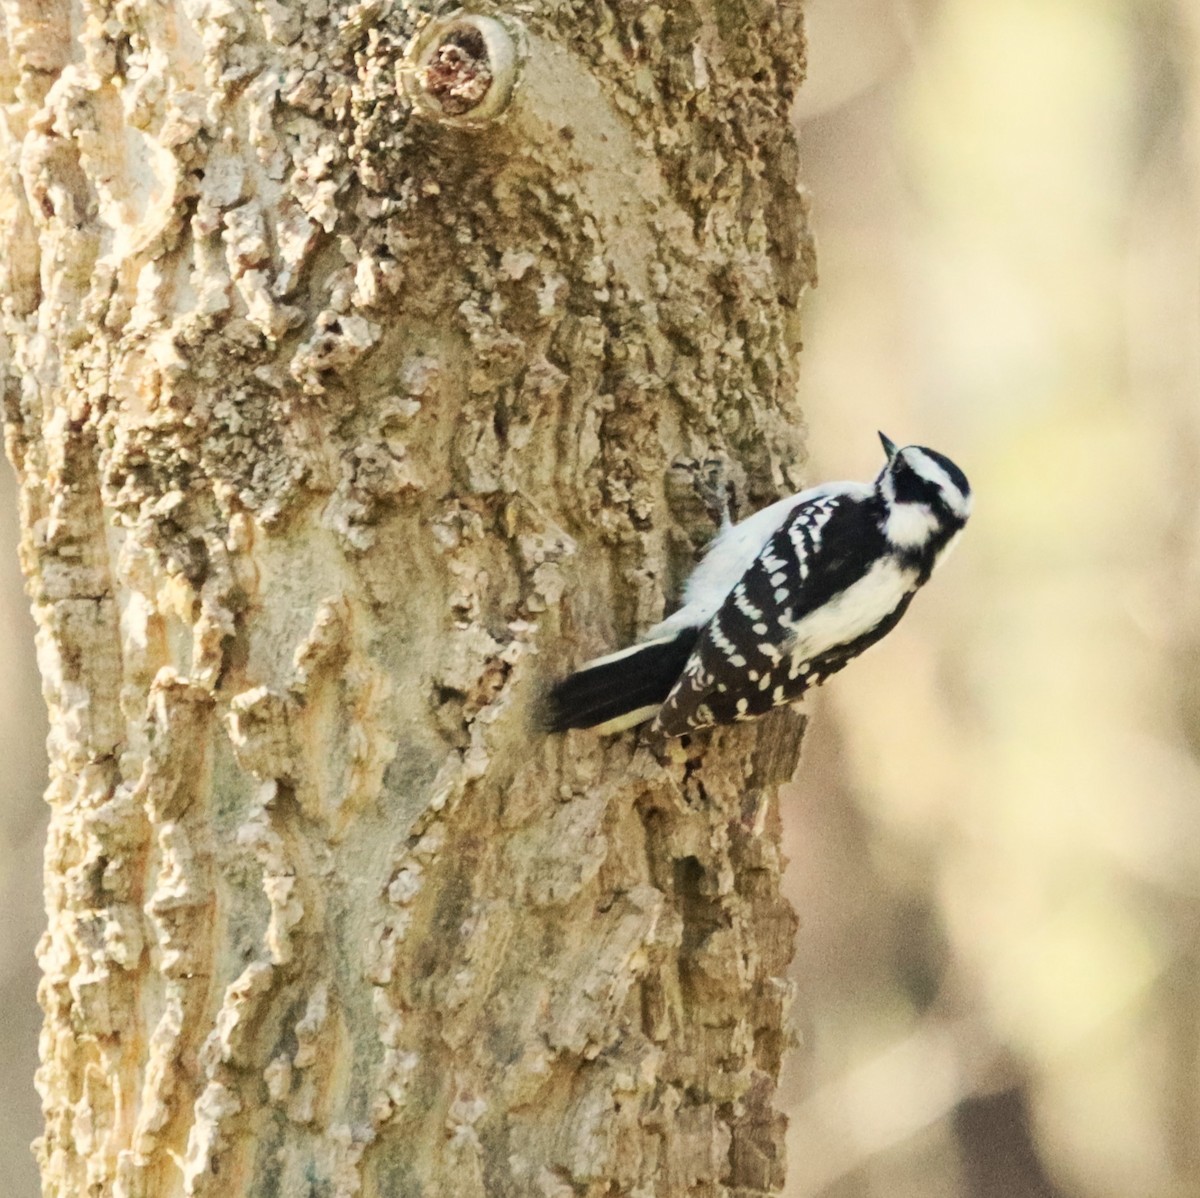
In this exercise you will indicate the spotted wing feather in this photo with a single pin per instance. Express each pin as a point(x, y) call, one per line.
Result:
point(743, 664)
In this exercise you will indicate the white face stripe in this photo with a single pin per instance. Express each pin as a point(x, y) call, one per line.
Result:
point(925, 467)
point(887, 487)
point(910, 524)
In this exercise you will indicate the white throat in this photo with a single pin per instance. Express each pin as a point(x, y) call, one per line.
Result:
point(910, 524)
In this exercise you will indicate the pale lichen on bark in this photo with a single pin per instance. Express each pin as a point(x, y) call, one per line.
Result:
point(339, 427)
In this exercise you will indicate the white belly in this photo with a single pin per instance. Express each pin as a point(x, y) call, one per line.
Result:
point(855, 611)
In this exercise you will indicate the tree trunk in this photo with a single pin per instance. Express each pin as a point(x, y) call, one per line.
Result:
point(363, 373)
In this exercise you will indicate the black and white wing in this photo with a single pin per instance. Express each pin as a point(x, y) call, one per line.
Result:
point(821, 590)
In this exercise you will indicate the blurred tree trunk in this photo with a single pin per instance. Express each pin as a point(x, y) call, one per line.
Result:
point(343, 417)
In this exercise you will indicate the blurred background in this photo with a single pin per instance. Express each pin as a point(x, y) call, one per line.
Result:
point(22, 835)
point(995, 833)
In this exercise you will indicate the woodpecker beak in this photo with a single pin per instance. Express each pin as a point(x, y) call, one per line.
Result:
point(889, 446)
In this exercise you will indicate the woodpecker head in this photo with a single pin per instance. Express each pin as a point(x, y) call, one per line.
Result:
point(927, 496)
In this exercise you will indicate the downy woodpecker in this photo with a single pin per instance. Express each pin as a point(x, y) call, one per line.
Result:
point(780, 602)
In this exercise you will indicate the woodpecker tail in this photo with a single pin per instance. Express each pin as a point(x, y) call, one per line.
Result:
point(615, 692)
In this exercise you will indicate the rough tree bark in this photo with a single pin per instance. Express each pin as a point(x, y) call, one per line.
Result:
point(358, 380)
